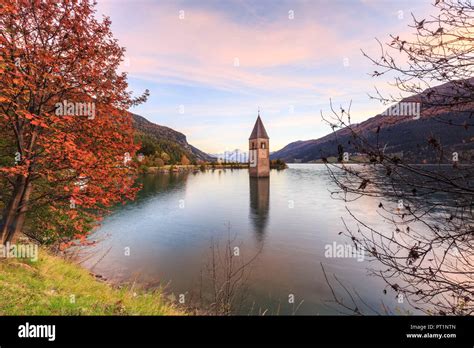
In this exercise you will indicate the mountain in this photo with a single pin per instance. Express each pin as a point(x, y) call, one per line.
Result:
point(167, 140)
point(409, 136)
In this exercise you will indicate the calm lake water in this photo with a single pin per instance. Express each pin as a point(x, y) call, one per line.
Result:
point(288, 220)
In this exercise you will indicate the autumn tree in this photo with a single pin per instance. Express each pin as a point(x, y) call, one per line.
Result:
point(67, 137)
point(424, 250)
point(185, 160)
point(165, 157)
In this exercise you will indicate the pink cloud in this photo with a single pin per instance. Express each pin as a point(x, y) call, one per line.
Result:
point(204, 47)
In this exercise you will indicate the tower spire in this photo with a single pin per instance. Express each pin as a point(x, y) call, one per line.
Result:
point(259, 153)
point(258, 130)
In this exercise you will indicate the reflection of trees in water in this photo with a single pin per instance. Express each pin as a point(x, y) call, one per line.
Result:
point(259, 205)
point(161, 183)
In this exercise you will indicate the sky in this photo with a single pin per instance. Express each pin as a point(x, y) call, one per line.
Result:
point(209, 64)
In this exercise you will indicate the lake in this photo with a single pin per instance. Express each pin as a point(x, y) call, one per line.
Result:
point(286, 223)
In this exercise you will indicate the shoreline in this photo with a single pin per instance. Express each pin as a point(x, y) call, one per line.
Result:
point(182, 168)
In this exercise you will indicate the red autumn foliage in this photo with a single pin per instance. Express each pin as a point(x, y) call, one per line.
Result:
point(72, 162)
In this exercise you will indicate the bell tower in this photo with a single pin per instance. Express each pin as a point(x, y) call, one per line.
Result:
point(259, 151)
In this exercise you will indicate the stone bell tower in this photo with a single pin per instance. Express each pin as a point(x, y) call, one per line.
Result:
point(259, 151)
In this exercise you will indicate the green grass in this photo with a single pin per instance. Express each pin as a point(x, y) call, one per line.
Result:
point(54, 286)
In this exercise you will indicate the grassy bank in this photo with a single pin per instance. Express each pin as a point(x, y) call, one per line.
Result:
point(54, 286)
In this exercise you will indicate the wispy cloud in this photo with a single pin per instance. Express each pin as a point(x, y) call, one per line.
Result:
point(223, 59)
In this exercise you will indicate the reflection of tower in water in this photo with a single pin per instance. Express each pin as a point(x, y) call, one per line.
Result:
point(259, 204)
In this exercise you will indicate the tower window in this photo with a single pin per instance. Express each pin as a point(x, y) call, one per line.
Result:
point(262, 145)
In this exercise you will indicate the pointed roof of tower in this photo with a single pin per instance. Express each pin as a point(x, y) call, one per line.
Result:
point(259, 130)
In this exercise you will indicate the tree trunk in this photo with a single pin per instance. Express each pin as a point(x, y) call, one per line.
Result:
point(14, 214)
point(12, 207)
point(21, 216)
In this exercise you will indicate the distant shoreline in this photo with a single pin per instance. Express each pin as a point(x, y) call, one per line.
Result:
point(206, 167)
point(180, 168)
